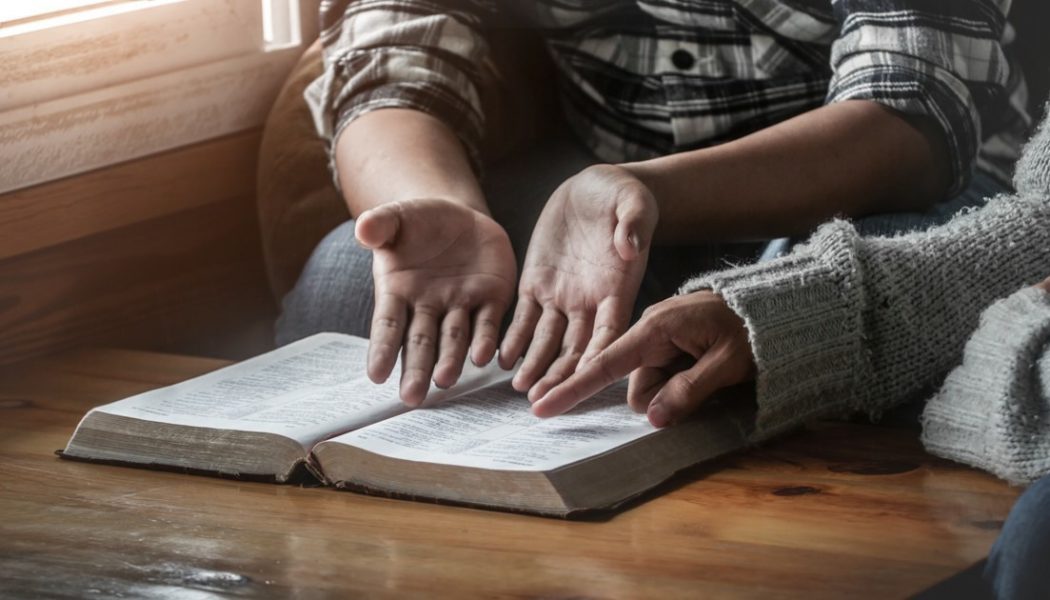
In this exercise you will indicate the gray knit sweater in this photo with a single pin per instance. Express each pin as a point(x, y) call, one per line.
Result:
point(847, 324)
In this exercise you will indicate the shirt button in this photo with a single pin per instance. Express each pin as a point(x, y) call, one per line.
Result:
point(682, 59)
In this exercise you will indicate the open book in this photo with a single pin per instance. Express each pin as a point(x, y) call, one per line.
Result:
point(310, 407)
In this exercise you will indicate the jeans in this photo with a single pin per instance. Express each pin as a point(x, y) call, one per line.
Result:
point(1019, 564)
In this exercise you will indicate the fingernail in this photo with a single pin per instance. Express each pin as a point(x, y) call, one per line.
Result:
point(519, 384)
point(658, 415)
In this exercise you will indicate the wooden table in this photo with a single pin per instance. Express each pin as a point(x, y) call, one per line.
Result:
point(840, 510)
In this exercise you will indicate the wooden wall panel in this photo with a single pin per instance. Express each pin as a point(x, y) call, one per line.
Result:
point(185, 282)
point(159, 254)
point(155, 186)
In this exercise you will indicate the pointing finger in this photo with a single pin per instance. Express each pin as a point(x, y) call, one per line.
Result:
point(609, 366)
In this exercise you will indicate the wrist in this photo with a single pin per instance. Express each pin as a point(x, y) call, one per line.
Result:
point(358, 206)
point(680, 192)
point(647, 173)
point(632, 194)
point(474, 203)
point(400, 155)
point(636, 176)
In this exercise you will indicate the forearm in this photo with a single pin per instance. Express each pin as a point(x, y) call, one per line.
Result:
point(392, 155)
point(845, 159)
point(399, 100)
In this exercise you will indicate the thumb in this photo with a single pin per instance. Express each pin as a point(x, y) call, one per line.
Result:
point(378, 227)
point(634, 227)
point(685, 392)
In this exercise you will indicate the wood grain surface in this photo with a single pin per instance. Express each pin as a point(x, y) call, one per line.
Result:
point(841, 510)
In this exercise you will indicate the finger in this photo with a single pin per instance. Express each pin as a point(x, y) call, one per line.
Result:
point(576, 337)
point(378, 227)
point(686, 391)
point(559, 371)
point(387, 333)
point(634, 226)
point(486, 334)
point(419, 353)
point(526, 315)
point(543, 349)
point(610, 321)
point(623, 356)
point(643, 385)
point(452, 348)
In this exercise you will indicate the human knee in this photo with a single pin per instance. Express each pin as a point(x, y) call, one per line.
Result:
point(334, 291)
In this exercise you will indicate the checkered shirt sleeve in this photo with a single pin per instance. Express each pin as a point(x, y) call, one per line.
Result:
point(940, 59)
point(418, 54)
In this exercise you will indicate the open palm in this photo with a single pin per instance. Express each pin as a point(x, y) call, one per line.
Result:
point(581, 275)
point(444, 275)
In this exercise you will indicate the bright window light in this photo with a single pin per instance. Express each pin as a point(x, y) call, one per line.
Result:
point(25, 17)
point(21, 10)
point(280, 22)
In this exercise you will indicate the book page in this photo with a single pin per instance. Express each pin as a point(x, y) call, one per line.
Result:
point(308, 391)
point(494, 429)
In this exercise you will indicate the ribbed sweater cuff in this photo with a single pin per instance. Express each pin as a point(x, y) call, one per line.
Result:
point(993, 411)
point(803, 316)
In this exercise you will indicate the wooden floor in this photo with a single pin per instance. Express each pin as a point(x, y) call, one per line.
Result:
point(840, 511)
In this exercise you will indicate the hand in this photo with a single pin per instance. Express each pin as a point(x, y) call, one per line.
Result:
point(1044, 285)
point(582, 273)
point(680, 352)
point(438, 267)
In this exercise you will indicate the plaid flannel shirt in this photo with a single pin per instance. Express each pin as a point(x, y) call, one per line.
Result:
point(644, 78)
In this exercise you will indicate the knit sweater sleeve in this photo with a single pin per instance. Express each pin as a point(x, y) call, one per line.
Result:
point(848, 324)
point(993, 411)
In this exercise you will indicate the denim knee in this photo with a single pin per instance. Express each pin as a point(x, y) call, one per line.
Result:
point(334, 292)
point(1017, 565)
